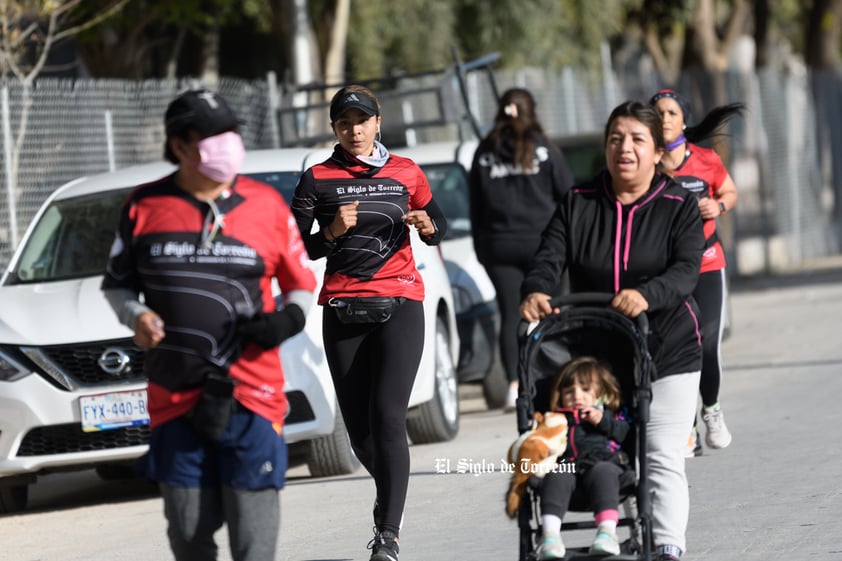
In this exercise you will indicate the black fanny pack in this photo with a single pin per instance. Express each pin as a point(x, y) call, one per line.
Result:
point(374, 309)
point(211, 415)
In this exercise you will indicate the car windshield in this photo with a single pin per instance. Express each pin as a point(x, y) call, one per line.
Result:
point(584, 154)
point(72, 239)
point(283, 181)
point(449, 184)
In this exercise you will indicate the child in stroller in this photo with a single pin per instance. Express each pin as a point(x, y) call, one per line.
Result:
point(585, 335)
point(589, 395)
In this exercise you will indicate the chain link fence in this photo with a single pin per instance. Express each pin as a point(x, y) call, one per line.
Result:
point(64, 129)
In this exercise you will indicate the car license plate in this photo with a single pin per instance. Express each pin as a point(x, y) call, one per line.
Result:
point(113, 410)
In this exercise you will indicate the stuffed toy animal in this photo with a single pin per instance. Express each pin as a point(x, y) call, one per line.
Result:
point(535, 453)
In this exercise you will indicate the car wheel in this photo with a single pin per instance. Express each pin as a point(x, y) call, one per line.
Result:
point(438, 419)
point(332, 454)
point(495, 386)
point(13, 498)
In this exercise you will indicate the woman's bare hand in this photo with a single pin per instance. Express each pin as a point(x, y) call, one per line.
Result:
point(535, 307)
point(422, 222)
point(148, 330)
point(345, 219)
point(630, 302)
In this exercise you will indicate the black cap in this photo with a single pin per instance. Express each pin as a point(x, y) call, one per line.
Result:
point(353, 100)
point(205, 112)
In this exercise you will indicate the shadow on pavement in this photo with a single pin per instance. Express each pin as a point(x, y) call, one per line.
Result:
point(827, 271)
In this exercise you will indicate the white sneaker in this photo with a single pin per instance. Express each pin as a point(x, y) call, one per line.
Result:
point(605, 543)
point(551, 547)
point(511, 398)
point(717, 435)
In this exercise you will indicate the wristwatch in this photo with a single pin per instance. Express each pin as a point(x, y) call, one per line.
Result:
point(722, 209)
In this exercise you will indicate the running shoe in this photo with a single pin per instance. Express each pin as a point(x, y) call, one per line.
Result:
point(550, 547)
point(384, 546)
point(605, 543)
point(717, 435)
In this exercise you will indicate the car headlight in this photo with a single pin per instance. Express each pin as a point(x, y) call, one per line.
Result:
point(11, 370)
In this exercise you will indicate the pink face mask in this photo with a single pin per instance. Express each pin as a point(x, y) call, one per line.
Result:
point(221, 156)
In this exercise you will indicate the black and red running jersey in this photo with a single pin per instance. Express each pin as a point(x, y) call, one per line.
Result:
point(703, 173)
point(200, 266)
point(374, 258)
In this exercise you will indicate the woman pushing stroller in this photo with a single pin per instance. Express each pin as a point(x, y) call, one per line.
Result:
point(632, 231)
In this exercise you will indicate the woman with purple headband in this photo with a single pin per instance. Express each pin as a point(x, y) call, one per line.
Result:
point(634, 232)
point(701, 172)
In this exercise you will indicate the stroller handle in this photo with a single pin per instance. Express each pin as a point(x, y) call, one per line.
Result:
point(597, 299)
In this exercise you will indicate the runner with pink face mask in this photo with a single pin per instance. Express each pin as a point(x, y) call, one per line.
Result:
point(211, 330)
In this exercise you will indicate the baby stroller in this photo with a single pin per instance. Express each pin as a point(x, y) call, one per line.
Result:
point(586, 326)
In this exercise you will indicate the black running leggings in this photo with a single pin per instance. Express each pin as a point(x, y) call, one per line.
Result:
point(710, 296)
point(506, 263)
point(507, 280)
point(600, 483)
point(373, 368)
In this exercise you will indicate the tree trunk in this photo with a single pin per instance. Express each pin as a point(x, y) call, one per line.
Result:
point(335, 56)
point(704, 48)
point(761, 33)
point(823, 29)
point(210, 57)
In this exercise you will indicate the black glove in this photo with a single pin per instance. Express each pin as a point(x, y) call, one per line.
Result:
point(269, 330)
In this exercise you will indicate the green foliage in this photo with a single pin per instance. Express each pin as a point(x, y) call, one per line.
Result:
point(394, 36)
point(543, 33)
point(390, 36)
point(408, 36)
point(195, 15)
point(788, 22)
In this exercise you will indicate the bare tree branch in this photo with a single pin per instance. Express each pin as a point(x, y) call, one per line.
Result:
point(116, 7)
point(736, 26)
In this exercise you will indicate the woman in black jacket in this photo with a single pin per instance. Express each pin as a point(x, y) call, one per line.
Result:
point(517, 178)
point(634, 232)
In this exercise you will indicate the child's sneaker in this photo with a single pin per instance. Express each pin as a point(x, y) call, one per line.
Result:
point(384, 546)
point(694, 445)
point(717, 435)
point(551, 547)
point(605, 543)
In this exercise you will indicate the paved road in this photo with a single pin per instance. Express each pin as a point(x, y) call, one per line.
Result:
point(774, 494)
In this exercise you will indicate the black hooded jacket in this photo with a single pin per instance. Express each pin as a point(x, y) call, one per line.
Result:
point(510, 204)
point(654, 245)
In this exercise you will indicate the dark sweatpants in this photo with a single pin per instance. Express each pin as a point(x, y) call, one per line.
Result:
point(601, 484)
point(373, 368)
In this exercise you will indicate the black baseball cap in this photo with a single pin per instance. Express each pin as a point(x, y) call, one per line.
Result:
point(353, 100)
point(203, 111)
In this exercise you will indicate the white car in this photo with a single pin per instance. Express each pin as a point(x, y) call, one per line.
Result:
point(62, 348)
point(446, 165)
